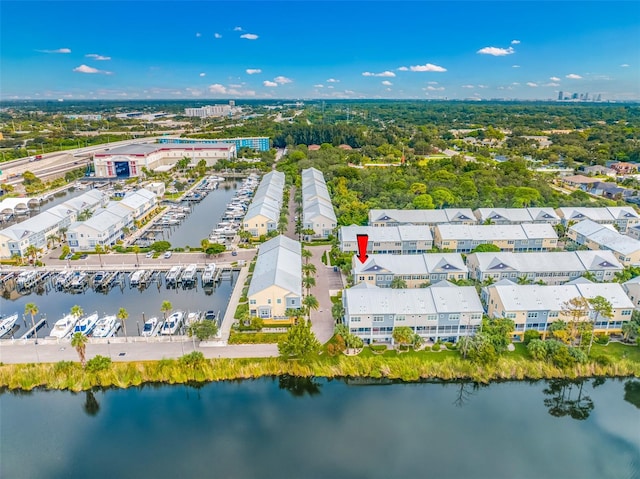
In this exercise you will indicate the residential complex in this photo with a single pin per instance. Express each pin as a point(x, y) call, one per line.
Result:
point(524, 237)
point(415, 270)
point(394, 217)
point(127, 161)
point(547, 267)
point(276, 284)
point(317, 210)
point(209, 111)
point(536, 307)
point(440, 312)
point(623, 217)
point(263, 213)
point(37, 230)
point(391, 240)
point(514, 216)
point(605, 237)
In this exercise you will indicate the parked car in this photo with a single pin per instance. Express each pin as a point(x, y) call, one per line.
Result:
point(69, 256)
point(84, 256)
point(234, 253)
point(167, 255)
point(149, 254)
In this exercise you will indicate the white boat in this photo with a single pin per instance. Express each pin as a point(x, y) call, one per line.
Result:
point(173, 275)
point(192, 317)
point(63, 326)
point(189, 274)
point(172, 323)
point(98, 278)
point(63, 279)
point(26, 278)
point(209, 273)
point(79, 280)
point(137, 277)
point(86, 324)
point(151, 327)
point(106, 327)
point(7, 323)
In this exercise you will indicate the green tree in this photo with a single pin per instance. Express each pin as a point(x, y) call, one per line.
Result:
point(77, 311)
point(122, 315)
point(603, 308)
point(204, 244)
point(160, 246)
point(486, 248)
point(309, 269)
point(538, 349)
point(32, 309)
point(136, 250)
point(165, 307)
point(337, 311)
point(202, 329)
point(442, 197)
point(402, 336)
point(99, 249)
point(308, 282)
point(310, 302)
point(300, 341)
point(306, 255)
point(79, 342)
point(423, 202)
point(529, 335)
point(215, 248)
point(398, 283)
point(575, 308)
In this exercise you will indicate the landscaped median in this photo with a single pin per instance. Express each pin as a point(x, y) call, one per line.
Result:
point(621, 361)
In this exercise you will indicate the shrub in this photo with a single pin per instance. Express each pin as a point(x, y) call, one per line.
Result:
point(530, 334)
point(602, 360)
point(98, 363)
point(602, 338)
point(64, 367)
point(436, 346)
point(192, 360)
point(578, 354)
point(449, 345)
point(378, 348)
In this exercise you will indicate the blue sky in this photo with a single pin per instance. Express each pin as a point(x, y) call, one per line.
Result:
point(329, 49)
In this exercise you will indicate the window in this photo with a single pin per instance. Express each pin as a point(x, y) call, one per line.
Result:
point(378, 319)
point(268, 301)
point(510, 315)
point(532, 315)
point(252, 301)
point(553, 314)
point(355, 319)
point(431, 317)
point(626, 312)
point(279, 301)
point(400, 317)
point(454, 317)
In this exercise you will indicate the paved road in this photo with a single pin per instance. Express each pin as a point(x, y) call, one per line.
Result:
point(322, 321)
point(291, 225)
point(13, 352)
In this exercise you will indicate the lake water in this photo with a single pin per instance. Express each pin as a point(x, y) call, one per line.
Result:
point(55, 304)
point(296, 428)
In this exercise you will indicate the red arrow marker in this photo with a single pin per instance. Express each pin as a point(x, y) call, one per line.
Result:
point(363, 240)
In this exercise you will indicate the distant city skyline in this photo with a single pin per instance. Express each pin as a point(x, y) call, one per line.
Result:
point(319, 50)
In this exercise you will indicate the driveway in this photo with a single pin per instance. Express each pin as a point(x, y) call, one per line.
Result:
point(322, 322)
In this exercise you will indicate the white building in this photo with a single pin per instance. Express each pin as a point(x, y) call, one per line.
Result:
point(623, 217)
point(515, 216)
point(395, 217)
point(605, 237)
point(392, 240)
point(263, 213)
point(317, 210)
point(209, 111)
point(522, 237)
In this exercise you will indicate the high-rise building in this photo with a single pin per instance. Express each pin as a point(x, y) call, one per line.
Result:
point(560, 97)
point(209, 110)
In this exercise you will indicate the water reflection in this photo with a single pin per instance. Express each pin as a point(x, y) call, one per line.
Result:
point(567, 399)
point(299, 386)
point(632, 392)
point(465, 391)
point(91, 407)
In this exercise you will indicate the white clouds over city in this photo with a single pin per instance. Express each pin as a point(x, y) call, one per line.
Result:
point(59, 50)
point(573, 76)
point(253, 71)
point(515, 42)
point(95, 56)
point(554, 78)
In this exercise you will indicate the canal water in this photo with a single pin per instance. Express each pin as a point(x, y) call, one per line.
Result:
point(203, 218)
point(314, 428)
point(54, 200)
point(55, 304)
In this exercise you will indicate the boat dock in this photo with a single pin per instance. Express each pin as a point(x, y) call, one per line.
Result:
point(31, 331)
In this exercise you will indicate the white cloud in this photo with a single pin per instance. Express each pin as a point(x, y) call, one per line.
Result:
point(237, 29)
point(59, 50)
point(97, 57)
point(282, 80)
point(217, 35)
point(433, 88)
point(330, 86)
point(382, 74)
point(532, 84)
point(432, 83)
point(253, 71)
point(554, 78)
point(483, 86)
point(319, 85)
point(551, 84)
point(515, 42)
point(468, 86)
point(624, 65)
point(270, 84)
point(403, 69)
point(198, 34)
point(515, 66)
point(217, 88)
point(573, 76)
point(203, 74)
point(515, 83)
point(496, 51)
point(88, 69)
point(333, 80)
point(427, 67)
point(249, 36)
point(387, 83)
point(194, 91)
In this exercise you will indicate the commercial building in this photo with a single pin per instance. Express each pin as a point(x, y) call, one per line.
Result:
point(263, 213)
point(258, 143)
point(276, 284)
point(317, 210)
point(415, 270)
point(536, 307)
point(440, 312)
point(516, 216)
point(548, 267)
point(209, 111)
point(36, 231)
point(392, 240)
point(623, 217)
point(604, 237)
point(127, 161)
point(395, 217)
point(524, 237)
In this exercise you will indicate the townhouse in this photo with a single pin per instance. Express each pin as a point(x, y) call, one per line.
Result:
point(392, 240)
point(596, 236)
point(395, 217)
point(516, 216)
point(263, 213)
point(317, 210)
point(624, 217)
point(524, 237)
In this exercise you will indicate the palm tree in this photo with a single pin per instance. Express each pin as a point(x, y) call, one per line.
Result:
point(32, 309)
point(122, 315)
point(308, 282)
point(77, 311)
point(309, 269)
point(523, 280)
point(310, 302)
point(32, 252)
point(99, 250)
point(79, 342)
point(398, 283)
point(306, 254)
point(136, 250)
point(629, 328)
point(204, 244)
point(63, 233)
point(165, 308)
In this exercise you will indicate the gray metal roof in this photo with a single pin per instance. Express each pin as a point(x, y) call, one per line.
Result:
point(606, 236)
point(446, 215)
point(426, 263)
point(279, 263)
point(387, 234)
point(496, 232)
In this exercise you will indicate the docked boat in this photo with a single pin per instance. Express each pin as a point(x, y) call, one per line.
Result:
point(26, 279)
point(86, 324)
point(63, 279)
point(79, 280)
point(209, 273)
point(151, 327)
point(210, 315)
point(192, 317)
point(173, 276)
point(138, 277)
point(189, 274)
point(172, 323)
point(98, 278)
point(106, 327)
point(7, 323)
point(64, 326)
